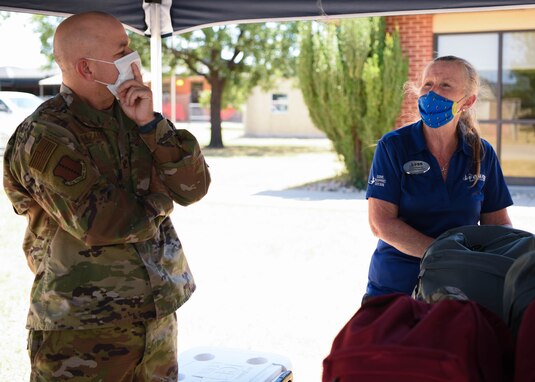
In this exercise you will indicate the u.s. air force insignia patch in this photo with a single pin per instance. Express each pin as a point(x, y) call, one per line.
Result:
point(70, 170)
point(61, 169)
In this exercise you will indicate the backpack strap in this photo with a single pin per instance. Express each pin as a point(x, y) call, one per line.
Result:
point(518, 290)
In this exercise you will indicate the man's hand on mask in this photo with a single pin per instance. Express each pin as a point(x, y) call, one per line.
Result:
point(136, 99)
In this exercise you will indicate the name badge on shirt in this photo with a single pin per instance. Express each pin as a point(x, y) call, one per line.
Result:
point(415, 167)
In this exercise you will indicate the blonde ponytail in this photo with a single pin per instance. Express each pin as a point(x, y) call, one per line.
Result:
point(468, 128)
point(468, 125)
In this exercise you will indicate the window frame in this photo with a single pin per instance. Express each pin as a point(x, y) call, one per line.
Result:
point(498, 121)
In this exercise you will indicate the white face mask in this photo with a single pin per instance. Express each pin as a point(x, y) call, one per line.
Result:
point(124, 66)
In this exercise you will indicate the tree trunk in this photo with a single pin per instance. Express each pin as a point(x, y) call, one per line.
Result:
point(216, 138)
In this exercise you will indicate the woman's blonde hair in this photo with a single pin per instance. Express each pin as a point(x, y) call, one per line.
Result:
point(467, 125)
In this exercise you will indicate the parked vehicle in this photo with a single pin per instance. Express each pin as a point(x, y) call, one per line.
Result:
point(14, 107)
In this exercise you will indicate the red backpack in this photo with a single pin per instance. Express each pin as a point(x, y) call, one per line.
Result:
point(396, 338)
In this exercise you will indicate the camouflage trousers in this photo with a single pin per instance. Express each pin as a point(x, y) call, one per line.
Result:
point(138, 352)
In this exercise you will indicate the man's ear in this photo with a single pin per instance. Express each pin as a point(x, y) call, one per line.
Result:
point(82, 69)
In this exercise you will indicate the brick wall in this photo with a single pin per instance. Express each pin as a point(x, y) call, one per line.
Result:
point(416, 35)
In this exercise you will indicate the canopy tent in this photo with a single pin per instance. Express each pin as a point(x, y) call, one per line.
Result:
point(160, 18)
point(183, 15)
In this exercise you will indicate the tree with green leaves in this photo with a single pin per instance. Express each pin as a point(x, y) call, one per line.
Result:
point(234, 59)
point(351, 74)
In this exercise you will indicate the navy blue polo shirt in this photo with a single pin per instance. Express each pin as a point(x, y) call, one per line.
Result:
point(425, 201)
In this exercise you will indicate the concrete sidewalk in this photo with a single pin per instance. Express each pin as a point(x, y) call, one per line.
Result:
point(277, 270)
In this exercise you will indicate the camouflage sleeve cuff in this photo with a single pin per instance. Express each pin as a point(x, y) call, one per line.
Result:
point(162, 142)
point(159, 204)
point(147, 128)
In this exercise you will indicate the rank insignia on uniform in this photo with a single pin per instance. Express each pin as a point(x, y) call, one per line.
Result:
point(70, 170)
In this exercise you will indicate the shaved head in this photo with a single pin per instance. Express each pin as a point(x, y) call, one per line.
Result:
point(81, 43)
point(83, 35)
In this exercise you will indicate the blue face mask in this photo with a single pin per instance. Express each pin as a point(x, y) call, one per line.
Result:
point(436, 110)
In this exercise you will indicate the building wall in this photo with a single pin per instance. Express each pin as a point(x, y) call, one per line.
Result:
point(183, 86)
point(186, 107)
point(484, 21)
point(416, 36)
point(417, 33)
point(261, 120)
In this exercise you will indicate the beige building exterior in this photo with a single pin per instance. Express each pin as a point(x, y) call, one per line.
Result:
point(280, 112)
point(521, 19)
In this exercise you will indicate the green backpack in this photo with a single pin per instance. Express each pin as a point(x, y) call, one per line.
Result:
point(475, 259)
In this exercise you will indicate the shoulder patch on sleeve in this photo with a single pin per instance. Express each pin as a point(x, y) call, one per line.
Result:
point(40, 157)
point(61, 169)
point(72, 171)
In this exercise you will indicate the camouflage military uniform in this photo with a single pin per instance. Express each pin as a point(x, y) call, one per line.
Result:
point(99, 237)
point(142, 351)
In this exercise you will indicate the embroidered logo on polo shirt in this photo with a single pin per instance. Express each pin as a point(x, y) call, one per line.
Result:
point(70, 170)
point(472, 177)
point(378, 181)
